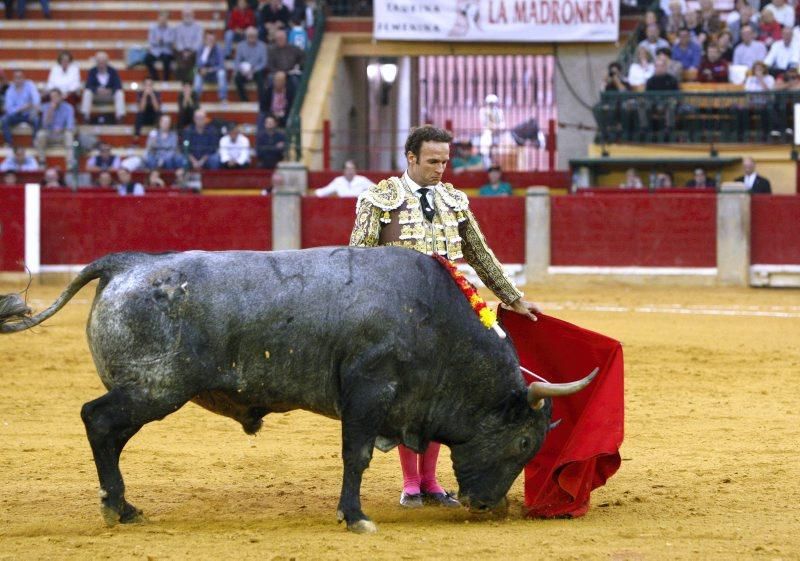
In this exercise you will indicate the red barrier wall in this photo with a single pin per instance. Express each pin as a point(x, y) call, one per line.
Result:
point(617, 230)
point(775, 230)
point(78, 228)
point(12, 228)
point(502, 220)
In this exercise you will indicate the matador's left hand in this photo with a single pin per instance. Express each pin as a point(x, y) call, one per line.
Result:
point(524, 308)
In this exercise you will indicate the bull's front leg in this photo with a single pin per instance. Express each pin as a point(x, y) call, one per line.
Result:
point(358, 441)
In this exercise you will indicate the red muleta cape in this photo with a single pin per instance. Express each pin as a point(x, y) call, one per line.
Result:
point(582, 452)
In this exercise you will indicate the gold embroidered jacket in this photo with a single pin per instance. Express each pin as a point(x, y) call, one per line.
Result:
point(390, 214)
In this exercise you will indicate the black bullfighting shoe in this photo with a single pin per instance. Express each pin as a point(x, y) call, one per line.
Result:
point(411, 501)
point(441, 499)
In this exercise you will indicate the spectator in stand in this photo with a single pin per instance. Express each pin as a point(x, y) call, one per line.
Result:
point(21, 7)
point(126, 185)
point(348, 185)
point(148, 103)
point(203, 141)
point(277, 99)
point(782, 54)
point(756, 184)
point(154, 180)
point(9, 5)
point(10, 178)
point(305, 13)
point(613, 117)
point(632, 180)
point(782, 11)
point(187, 105)
point(746, 17)
point(790, 80)
point(234, 149)
point(725, 45)
point(650, 16)
point(19, 161)
point(188, 40)
point(467, 158)
point(687, 53)
point(239, 19)
point(104, 180)
point(66, 77)
point(701, 180)
point(162, 147)
point(276, 181)
point(21, 104)
point(673, 66)
point(179, 180)
point(57, 127)
point(495, 187)
point(272, 16)
point(103, 160)
point(103, 85)
point(3, 87)
point(211, 67)
point(653, 40)
point(675, 19)
point(664, 180)
point(298, 36)
point(769, 30)
point(668, 7)
point(713, 68)
point(660, 81)
point(695, 27)
point(250, 64)
point(270, 144)
point(52, 179)
point(709, 18)
point(758, 81)
point(749, 51)
point(160, 41)
point(284, 57)
point(641, 70)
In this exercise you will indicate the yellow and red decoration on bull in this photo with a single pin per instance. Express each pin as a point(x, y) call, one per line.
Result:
point(486, 315)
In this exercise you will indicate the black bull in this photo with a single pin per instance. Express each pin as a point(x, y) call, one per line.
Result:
point(380, 338)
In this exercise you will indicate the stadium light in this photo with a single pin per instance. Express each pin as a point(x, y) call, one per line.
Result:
point(388, 72)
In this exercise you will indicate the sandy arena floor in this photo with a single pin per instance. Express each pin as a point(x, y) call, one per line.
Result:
point(710, 466)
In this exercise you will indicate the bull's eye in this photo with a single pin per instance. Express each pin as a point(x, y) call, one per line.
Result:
point(524, 444)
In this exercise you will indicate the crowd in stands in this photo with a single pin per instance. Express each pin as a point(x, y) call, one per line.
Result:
point(754, 48)
point(264, 44)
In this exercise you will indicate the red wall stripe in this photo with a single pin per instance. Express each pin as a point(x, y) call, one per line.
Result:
point(12, 228)
point(647, 231)
point(78, 228)
point(775, 230)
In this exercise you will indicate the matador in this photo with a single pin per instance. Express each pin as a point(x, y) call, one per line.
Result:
point(419, 212)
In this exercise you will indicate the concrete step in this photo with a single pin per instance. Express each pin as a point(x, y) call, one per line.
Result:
point(65, 11)
point(94, 30)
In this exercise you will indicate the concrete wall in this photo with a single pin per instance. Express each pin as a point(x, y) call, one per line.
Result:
point(348, 112)
point(584, 67)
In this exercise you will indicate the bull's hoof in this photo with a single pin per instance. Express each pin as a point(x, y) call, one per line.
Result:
point(363, 527)
point(129, 515)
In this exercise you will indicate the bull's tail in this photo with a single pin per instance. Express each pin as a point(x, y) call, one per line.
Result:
point(16, 316)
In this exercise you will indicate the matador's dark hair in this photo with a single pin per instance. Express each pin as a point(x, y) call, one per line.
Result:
point(426, 133)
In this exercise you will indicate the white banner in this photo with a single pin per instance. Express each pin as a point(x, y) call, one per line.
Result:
point(529, 21)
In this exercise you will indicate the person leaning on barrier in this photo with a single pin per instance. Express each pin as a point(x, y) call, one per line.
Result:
point(660, 107)
point(349, 184)
point(761, 105)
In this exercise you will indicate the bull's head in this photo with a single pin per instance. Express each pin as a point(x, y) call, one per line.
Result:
point(487, 465)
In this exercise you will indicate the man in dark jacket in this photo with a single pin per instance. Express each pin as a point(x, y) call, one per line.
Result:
point(210, 67)
point(270, 144)
point(277, 99)
point(755, 183)
point(104, 86)
point(203, 141)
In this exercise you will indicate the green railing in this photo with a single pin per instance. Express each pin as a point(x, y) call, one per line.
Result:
point(696, 117)
point(293, 124)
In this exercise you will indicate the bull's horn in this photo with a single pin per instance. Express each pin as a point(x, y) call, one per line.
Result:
point(539, 390)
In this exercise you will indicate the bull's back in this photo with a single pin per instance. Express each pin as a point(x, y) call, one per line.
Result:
point(274, 328)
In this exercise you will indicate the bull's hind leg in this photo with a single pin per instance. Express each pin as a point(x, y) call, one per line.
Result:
point(111, 421)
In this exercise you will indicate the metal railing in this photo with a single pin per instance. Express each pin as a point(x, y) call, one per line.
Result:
point(696, 117)
point(345, 8)
point(293, 124)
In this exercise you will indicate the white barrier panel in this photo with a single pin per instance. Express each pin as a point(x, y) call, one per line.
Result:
point(526, 21)
point(33, 229)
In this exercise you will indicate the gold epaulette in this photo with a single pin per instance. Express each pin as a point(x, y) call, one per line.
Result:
point(455, 199)
point(387, 195)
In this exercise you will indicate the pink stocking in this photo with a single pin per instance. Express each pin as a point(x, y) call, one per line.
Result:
point(427, 467)
point(408, 462)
